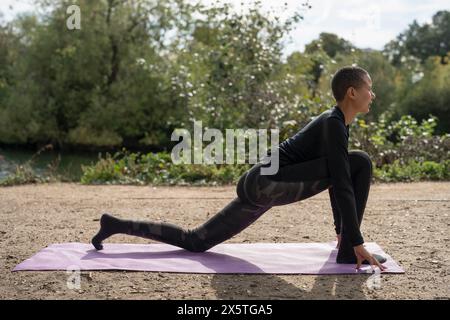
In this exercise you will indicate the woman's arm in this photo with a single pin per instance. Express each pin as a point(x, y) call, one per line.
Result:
point(336, 216)
point(335, 209)
point(338, 164)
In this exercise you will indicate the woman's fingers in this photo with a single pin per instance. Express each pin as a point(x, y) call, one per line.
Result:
point(362, 255)
point(377, 263)
point(359, 261)
point(372, 261)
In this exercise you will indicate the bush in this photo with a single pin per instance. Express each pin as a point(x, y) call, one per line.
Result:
point(403, 140)
point(413, 171)
point(157, 168)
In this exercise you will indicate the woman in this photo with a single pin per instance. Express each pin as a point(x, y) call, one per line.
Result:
point(311, 161)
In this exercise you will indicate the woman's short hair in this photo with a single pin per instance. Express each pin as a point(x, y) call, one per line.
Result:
point(345, 78)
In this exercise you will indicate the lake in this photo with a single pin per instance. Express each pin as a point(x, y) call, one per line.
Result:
point(69, 166)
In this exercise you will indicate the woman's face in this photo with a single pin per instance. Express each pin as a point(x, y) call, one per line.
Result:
point(364, 96)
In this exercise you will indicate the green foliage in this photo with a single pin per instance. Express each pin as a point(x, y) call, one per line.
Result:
point(425, 91)
point(402, 140)
point(230, 74)
point(422, 41)
point(331, 44)
point(103, 85)
point(157, 168)
point(119, 81)
point(413, 171)
point(139, 69)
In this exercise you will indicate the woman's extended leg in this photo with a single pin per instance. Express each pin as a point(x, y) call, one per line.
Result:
point(229, 221)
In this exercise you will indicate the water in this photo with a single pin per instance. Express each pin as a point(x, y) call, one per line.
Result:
point(69, 166)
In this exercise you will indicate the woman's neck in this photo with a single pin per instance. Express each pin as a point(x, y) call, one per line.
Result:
point(348, 112)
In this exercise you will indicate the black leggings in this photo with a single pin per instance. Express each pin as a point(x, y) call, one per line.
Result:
point(258, 193)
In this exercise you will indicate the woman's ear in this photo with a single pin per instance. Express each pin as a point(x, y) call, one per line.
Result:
point(351, 92)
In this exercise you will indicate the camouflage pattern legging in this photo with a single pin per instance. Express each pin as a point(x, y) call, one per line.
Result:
point(258, 193)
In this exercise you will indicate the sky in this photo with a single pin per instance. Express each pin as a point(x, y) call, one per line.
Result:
point(367, 24)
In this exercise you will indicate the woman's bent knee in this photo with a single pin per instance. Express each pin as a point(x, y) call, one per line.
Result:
point(362, 158)
point(193, 242)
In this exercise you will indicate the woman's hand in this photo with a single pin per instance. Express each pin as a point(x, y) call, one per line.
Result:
point(338, 241)
point(362, 254)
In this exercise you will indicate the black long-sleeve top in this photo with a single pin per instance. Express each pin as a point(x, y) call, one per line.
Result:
point(327, 136)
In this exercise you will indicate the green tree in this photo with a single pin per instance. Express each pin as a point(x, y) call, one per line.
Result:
point(426, 92)
point(331, 44)
point(103, 85)
point(323, 52)
point(228, 74)
point(422, 41)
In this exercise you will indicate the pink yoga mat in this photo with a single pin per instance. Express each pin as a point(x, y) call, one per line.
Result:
point(275, 258)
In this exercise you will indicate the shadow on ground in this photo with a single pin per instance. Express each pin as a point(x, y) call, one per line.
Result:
point(234, 286)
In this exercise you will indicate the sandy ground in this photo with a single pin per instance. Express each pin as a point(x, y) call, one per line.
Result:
point(410, 221)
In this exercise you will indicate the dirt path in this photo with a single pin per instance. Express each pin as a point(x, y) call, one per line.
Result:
point(410, 221)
